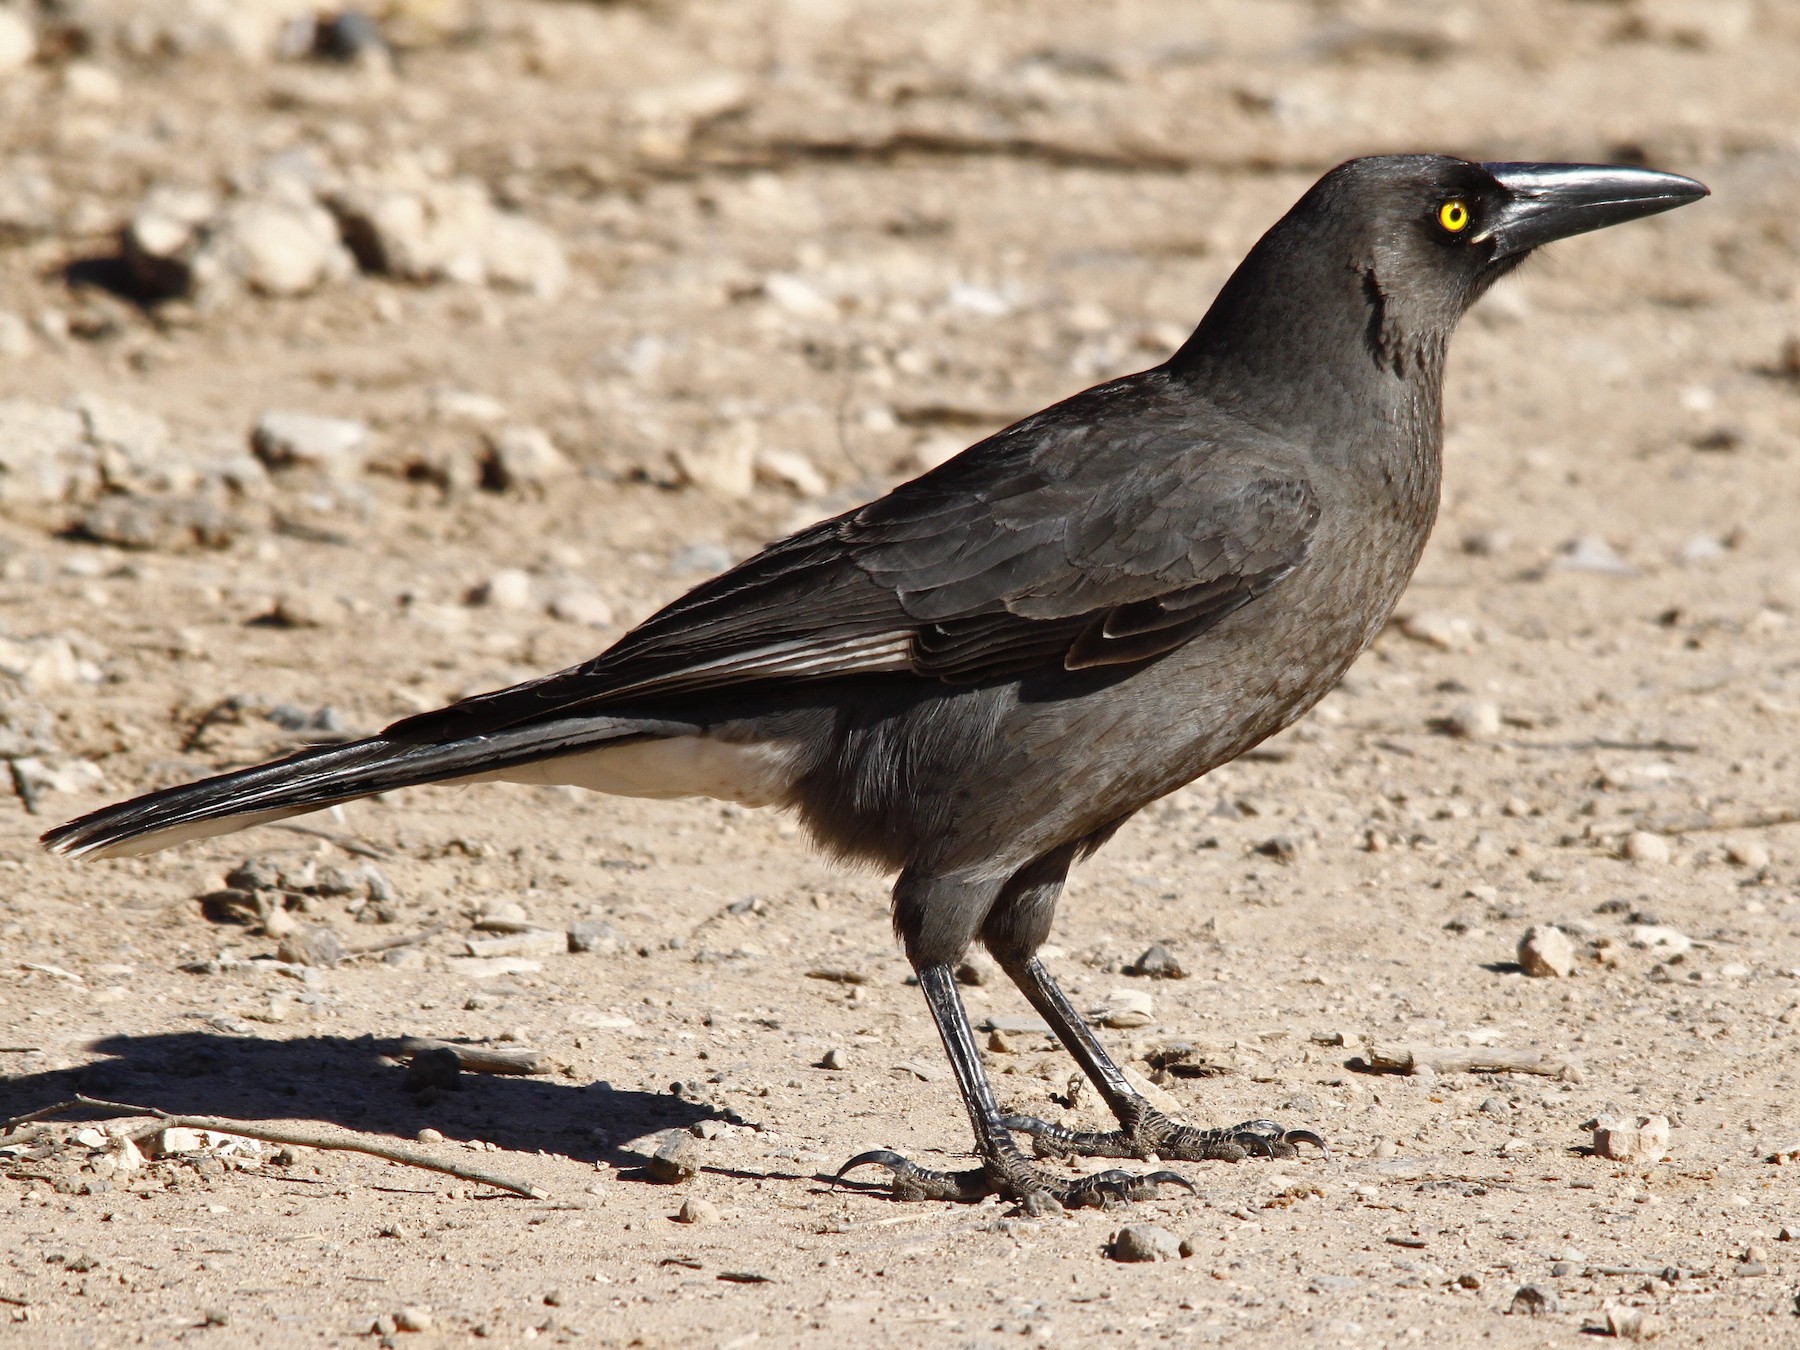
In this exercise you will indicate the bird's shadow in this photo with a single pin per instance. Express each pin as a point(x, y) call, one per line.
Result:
point(355, 1082)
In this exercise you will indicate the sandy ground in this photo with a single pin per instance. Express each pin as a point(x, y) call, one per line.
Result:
point(810, 247)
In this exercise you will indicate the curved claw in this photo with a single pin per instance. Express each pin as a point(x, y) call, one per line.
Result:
point(876, 1157)
point(1171, 1179)
point(1306, 1137)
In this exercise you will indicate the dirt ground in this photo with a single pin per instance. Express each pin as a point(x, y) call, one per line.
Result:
point(809, 247)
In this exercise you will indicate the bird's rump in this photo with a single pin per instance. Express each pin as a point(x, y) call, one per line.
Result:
point(1055, 543)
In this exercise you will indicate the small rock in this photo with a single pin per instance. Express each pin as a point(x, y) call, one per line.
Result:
point(87, 82)
point(430, 1136)
point(436, 1068)
point(314, 945)
point(1630, 1138)
point(1475, 721)
point(791, 470)
point(15, 335)
point(334, 445)
point(216, 1317)
point(18, 42)
point(448, 232)
point(307, 609)
point(489, 967)
point(1748, 853)
point(723, 460)
point(1127, 1008)
point(676, 1159)
point(1145, 1242)
point(1157, 963)
point(998, 1043)
point(1634, 1324)
point(697, 1211)
point(509, 588)
point(1658, 937)
point(834, 1058)
point(976, 969)
point(177, 1140)
point(1594, 555)
point(502, 916)
point(583, 607)
point(1534, 1300)
point(1435, 628)
point(1545, 951)
point(1643, 847)
point(533, 942)
point(413, 1318)
point(591, 935)
point(522, 459)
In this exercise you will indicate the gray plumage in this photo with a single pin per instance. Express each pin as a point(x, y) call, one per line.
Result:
point(977, 678)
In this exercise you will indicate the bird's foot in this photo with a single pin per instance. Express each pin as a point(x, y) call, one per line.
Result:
point(1152, 1134)
point(1015, 1179)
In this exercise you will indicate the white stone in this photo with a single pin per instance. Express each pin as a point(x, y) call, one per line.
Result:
point(1631, 1138)
point(1546, 952)
point(1436, 628)
point(791, 470)
point(1641, 846)
point(523, 457)
point(583, 607)
point(18, 43)
point(1475, 721)
point(88, 82)
point(45, 456)
point(336, 445)
point(723, 462)
point(509, 588)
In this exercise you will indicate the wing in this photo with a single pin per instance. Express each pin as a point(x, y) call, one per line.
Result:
point(1107, 530)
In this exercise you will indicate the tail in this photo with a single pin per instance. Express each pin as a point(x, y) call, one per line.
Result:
point(321, 777)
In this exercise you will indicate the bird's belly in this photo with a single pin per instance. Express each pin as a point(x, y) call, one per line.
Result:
point(759, 774)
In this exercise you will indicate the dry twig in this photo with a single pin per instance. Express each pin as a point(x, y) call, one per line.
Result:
point(1389, 1057)
point(298, 1135)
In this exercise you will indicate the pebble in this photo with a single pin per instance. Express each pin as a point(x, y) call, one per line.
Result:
point(583, 607)
point(1145, 1242)
point(413, 1318)
point(448, 231)
point(314, 945)
point(1157, 963)
point(15, 335)
point(1534, 1300)
point(46, 457)
point(791, 470)
point(591, 935)
point(1630, 1138)
point(697, 1211)
point(335, 445)
point(976, 969)
point(1643, 847)
point(430, 1136)
point(1748, 854)
point(1476, 721)
point(509, 588)
point(1658, 937)
point(1591, 554)
point(1634, 1324)
point(307, 609)
point(1545, 952)
point(522, 459)
point(533, 942)
point(18, 42)
point(676, 1159)
point(722, 461)
point(1127, 1008)
point(488, 967)
point(1436, 628)
point(1024, 1024)
point(502, 916)
point(835, 1058)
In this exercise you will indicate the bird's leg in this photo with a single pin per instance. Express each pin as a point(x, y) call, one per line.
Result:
point(1143, 1130)
point(1004, 1169)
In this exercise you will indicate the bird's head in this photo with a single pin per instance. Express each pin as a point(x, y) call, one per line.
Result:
point(1436, 232)
point(1398, 247)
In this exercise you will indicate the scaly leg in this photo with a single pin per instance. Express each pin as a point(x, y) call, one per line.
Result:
point(1004, 1169)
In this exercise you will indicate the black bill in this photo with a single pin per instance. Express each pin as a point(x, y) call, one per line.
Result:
point(1553, 201)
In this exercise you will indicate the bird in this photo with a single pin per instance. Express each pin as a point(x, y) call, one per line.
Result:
point(974, 680)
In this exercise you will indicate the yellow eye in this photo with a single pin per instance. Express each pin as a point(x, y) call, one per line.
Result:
point(1453, 215)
